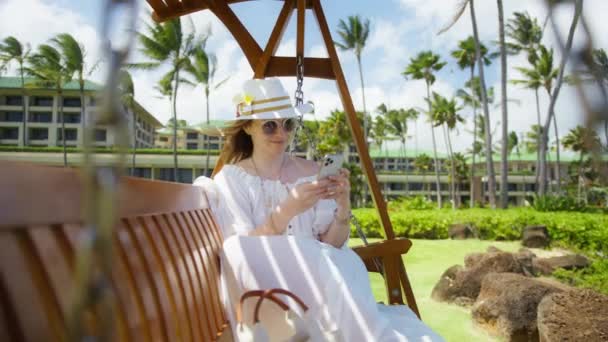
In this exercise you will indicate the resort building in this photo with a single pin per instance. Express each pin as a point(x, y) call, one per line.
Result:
point(189, 138)
point(41, 109)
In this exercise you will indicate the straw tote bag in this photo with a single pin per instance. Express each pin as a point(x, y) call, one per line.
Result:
point(301, 328)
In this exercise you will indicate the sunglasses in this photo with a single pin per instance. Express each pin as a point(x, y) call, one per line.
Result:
point(270, 127)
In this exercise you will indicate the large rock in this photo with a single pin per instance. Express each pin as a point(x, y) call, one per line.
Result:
point(579, 315)
point(568, 262)
point(463, 284)
point(507, 305)
point(536, 237)
point(461, 232)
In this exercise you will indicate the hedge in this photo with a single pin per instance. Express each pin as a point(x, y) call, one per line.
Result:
point(59, 149)
point(582, 231)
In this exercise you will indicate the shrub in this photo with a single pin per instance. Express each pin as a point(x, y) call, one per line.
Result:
point(583, 231)
point(412, 203)
point(595, 276)
point(557, 203)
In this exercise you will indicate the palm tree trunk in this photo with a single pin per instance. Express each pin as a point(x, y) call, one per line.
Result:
point(364, 117)
point(486, 110)
point(453, 171)
point(174, 108)
point(504, 195)
point(578, 8)
point(207, 136)
point(557, 163)
point(450, 156)
point(65, 152)
point(538, 138)
point(472, 183)
point(82, 109)
point(438, 182)
point(578, 180)
point(407, 166)
point(25, 106)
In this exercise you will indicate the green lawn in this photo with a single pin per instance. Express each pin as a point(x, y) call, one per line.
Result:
point(425, 263)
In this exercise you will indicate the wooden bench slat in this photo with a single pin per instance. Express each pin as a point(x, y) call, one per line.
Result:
point(210, 272)
point(178, 309)
point(23, 290)
point(185, 292)
point(147, 318)
point(187, 254)
point(154, 273)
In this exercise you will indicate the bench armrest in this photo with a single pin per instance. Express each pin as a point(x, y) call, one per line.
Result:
point(385, 248)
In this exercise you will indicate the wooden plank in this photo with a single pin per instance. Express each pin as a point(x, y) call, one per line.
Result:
point(407, 289)
point(27, 190)
point(169, 278)
point(145, 294)
point(177, 257)
point(55, 266)
point(355, 127)
point(198, 5)
point(395, 247)
point(318, 67)
point(248, 45)
point(391, 279)
point(275, 38)
point(158, 6)
point(188, 255)
point(300, 28)
point(23, 284)
point(154, 278)
point(207, 248)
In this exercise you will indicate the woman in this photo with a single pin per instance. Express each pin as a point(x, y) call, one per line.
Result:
point(284, 228)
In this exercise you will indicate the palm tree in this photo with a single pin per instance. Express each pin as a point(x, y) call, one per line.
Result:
point(445, 114)
point(504, 196)
point(461, 171)
point(423, 67)
point(598, 72)
point(423, 163)
point(582, 140)
point(379, 131)
point(74, 55)
point(11, 49)
point(578, 8)
point(50, 70)
point(354, 37)
point(396, 120)
point(127, 91)
point(525, 34)
point(489, 162)
point(202, 68)
point(167, 44)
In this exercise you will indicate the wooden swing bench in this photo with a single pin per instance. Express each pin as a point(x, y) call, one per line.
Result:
point(165, 275)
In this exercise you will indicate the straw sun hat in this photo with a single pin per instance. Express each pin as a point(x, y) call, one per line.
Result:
point(266, 99)
point(262, 99)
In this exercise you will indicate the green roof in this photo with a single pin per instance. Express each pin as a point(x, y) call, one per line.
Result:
point(15, 83)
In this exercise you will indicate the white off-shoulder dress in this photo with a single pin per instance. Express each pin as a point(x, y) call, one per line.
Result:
point(333, 282)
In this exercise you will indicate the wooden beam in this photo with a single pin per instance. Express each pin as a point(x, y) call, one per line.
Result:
point(170, 13)
point(395, 247)
point(159, 7)
point(355, 127)
point(275, 38)
point(313, 67)
point(300, 28)
point(407, 289)
point(248, 45)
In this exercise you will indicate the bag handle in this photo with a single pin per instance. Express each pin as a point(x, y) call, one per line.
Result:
point(271, 295)
point(256, 293)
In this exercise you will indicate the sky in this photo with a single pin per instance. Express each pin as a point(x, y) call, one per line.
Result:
point(400, 29)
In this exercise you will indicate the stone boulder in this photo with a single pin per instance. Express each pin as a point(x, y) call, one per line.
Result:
point(578, 315)
point(536, 237)
point(461, 232)
point(507, 305)
point(568, 262)
point(462, 286)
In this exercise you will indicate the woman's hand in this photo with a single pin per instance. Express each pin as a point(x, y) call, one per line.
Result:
point(339, 190)
point(305, 196)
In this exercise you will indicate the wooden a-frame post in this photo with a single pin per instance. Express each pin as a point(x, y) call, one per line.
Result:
point(265, 64)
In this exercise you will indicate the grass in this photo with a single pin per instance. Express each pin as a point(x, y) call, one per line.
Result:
point(425, 263)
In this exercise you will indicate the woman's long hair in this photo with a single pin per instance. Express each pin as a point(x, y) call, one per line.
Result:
point(238, 144)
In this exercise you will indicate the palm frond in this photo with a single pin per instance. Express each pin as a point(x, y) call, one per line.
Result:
point(460, 8)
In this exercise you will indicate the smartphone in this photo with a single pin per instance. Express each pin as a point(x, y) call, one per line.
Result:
point(331, 165)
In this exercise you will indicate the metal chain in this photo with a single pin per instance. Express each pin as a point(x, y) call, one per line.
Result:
point(299, 97)
point(93, 296)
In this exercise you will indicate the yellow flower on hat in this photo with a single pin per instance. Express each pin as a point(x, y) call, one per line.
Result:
point(243, 99)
